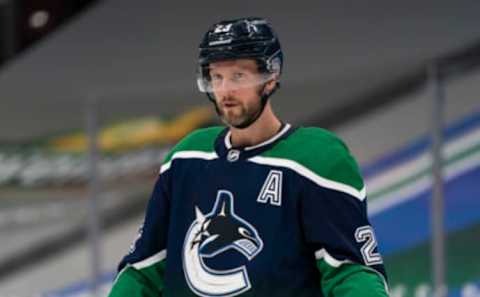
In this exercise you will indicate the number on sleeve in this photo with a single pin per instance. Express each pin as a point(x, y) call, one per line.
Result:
point(365, 234)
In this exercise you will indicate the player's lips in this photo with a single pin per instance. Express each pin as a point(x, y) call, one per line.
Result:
point(229, 104)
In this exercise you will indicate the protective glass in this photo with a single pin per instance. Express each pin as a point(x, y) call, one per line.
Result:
point(237, 80)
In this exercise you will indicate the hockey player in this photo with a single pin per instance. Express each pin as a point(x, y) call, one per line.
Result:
point(256, 208)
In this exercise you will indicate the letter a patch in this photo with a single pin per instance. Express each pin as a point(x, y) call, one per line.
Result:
point(272, 189)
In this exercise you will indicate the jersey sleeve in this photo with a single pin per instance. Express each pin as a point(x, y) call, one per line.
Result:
point(339, 234)
point(141, 271)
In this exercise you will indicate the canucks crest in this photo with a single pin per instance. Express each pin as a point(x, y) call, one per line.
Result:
point(212, 234)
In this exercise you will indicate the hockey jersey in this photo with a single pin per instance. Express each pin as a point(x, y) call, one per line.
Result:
point(286, 217)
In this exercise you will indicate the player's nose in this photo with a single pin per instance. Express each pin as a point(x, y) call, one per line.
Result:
point(227, 96)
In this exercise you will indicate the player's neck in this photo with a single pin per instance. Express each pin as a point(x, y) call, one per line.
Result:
point(265, 127)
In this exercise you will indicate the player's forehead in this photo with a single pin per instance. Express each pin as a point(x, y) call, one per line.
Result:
point(234, 65)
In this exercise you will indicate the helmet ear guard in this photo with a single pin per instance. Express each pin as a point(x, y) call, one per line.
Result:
point(274, 63)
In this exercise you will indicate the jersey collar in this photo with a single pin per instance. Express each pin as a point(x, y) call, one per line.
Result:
point(285, 128)
point(224, 145)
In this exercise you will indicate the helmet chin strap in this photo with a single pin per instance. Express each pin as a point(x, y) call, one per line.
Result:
point(263, 101)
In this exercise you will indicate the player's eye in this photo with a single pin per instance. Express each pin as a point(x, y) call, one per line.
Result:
point(216, 77)
point(238, 76)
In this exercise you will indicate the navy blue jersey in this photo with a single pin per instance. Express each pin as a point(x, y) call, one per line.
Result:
point(283, 218)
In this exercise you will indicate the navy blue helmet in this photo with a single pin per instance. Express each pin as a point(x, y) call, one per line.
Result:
point(242, 38)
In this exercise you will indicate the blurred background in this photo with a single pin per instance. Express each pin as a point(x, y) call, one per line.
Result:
point(398, 81)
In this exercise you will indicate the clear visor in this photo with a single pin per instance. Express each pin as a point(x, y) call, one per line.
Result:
point(221, 82)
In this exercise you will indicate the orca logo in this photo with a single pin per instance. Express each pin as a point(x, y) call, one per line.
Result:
point(212, 234)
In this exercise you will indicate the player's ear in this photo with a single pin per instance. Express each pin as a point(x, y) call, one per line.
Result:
point(270, 86)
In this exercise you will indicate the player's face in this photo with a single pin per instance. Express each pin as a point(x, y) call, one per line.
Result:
point(237, 86)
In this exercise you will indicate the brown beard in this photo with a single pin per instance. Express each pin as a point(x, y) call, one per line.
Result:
point(248, 116)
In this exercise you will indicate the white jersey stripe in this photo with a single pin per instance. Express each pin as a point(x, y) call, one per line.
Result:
point(323, 254)
point(158, 257)
point(188, 155)
point(302, 170)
